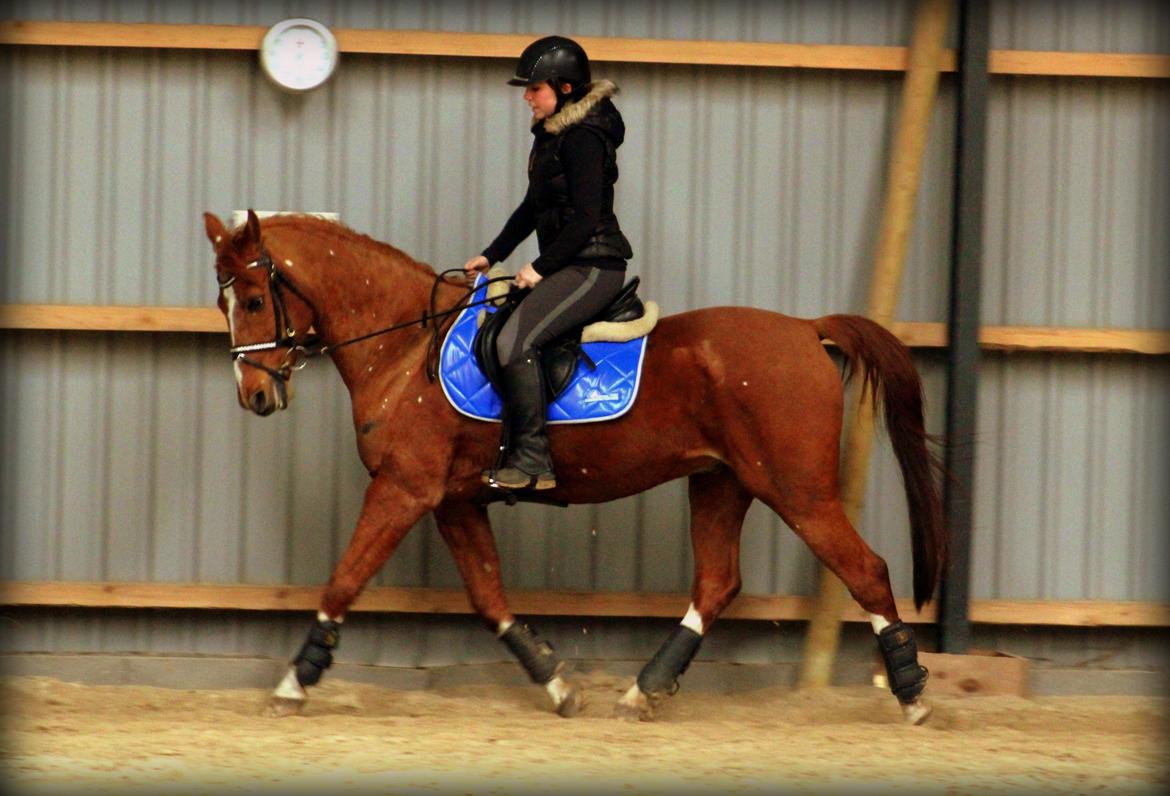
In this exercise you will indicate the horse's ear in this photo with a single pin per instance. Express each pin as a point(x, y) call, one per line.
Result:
point(215, 229)
point(251, 229)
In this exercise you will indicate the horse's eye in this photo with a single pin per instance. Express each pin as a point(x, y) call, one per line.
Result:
point(254, 304)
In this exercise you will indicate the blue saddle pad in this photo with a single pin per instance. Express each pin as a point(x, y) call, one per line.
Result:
point(591, 395)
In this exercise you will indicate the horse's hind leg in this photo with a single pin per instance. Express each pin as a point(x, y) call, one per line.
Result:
point(468, 533)
point(718, 505)
point(830, 535)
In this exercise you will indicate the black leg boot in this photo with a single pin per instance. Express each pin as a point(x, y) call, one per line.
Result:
point(528, 464)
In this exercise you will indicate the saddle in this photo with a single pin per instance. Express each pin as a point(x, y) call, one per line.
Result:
point(559, 359)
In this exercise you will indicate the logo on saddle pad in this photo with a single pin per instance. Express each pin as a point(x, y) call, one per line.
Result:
point(594, 394)
point(595, 397)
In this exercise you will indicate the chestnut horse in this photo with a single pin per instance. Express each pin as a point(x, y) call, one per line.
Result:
point(744, 403)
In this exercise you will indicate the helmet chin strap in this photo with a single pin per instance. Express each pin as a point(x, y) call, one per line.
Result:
point(572, 95)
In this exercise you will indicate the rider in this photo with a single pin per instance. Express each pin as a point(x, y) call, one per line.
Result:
point(572, 169)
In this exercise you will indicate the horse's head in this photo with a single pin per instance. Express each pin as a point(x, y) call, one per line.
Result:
point(267, 316)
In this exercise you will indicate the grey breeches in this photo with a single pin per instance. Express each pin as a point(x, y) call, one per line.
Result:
point(560, 301)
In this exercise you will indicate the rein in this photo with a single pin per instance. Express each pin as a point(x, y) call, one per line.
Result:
point(298, 354)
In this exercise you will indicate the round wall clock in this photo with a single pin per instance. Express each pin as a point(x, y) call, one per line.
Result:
point(298, 54)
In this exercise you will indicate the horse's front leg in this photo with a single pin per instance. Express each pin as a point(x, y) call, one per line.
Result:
point(388, 512)
point(468, 533)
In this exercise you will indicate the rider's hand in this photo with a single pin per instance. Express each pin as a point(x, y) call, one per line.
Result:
point(527, 276)
point(477, 264)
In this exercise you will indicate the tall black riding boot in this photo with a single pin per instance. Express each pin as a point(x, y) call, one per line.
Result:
point(528, 464)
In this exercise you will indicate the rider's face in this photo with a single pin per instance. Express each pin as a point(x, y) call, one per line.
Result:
point(541, 99)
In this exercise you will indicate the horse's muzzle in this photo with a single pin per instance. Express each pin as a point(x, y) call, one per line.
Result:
point(262, 403)
point(269, 396)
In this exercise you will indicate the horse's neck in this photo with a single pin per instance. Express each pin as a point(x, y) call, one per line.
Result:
point(358, 289)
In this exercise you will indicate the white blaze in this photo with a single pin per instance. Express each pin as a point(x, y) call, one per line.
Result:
point(229, 295)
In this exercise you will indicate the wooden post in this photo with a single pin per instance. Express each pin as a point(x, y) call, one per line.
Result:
point(901, 191)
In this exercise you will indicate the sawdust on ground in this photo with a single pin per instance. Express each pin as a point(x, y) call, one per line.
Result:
point(62, 737)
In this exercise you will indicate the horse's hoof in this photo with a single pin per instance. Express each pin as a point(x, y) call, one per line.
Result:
point(917, 712)
point(634, 706)
point(280, 707)
point(626, 712)
point(567, 697)
point(570, 706)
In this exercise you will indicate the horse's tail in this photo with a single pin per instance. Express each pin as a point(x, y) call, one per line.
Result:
point(889, 372)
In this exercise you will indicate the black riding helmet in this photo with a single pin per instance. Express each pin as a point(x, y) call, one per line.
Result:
point(554, 59)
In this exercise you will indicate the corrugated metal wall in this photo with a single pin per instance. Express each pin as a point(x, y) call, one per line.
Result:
point(125, 456)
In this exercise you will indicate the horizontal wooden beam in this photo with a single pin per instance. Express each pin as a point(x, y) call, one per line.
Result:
point(387, 599)
point(78, 317)
point(1077, 64)
point(1042, 338)
point(152, 35)
point(602, 49)
point(111, 318)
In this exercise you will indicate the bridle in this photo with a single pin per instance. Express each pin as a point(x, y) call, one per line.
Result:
point(298, 352)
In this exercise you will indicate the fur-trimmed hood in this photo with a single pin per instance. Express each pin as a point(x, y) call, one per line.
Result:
point(594, 106)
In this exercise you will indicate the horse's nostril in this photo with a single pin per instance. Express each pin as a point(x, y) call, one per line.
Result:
point(260, 404)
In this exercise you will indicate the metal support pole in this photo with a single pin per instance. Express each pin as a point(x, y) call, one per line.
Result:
point(963, 323)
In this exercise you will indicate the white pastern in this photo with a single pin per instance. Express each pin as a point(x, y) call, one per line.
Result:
point(878, 623)
point(289, 688)
point(693, 620)
point(324, 617)
point(503, 628)
point(635, 699)
point(558, 689)
point(917, 711)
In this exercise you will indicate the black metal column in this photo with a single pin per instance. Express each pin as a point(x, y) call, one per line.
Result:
point(963, 323)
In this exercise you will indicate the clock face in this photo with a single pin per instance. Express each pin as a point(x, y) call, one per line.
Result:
point(299, 54)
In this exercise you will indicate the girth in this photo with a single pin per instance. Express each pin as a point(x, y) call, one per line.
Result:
point(559, 358)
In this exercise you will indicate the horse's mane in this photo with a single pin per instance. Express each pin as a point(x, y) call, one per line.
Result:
point(317, 227)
